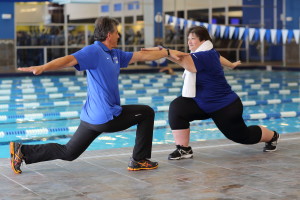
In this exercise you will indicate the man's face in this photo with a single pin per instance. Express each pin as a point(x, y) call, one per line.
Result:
point(114, 37)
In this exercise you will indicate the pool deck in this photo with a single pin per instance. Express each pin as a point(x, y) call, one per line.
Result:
point(219, 170)
point(12, 71)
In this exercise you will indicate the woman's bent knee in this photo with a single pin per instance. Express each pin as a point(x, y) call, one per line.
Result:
point(251, 135)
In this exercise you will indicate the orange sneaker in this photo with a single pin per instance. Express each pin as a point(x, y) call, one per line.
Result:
point(141, 165)
point(16, 157)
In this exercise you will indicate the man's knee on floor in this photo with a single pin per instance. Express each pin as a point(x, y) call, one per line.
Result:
point(71, 156)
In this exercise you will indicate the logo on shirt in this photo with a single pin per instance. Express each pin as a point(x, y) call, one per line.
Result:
point(115, 59)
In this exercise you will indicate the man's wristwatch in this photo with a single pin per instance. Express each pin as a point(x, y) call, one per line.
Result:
point(161, 48)
point(168, 50)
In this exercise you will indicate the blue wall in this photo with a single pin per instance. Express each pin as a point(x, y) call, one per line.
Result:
point(158, 27)
point(7, 27)
point(292, 10)
point(252, 16)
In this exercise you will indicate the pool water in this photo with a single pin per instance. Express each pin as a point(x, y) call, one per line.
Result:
point(37, 110)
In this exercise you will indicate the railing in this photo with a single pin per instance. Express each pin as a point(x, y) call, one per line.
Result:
point(45, 51)
point(7, 55)
point(42, 44)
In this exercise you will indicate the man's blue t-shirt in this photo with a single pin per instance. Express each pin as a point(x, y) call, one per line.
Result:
point(103, 68)
point(212, 90)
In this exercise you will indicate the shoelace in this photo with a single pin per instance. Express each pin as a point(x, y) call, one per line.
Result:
point(181, 151)
point(145, 164)
point(17, 159)
point(274, 140)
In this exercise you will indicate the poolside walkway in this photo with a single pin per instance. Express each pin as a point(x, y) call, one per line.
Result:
point(219, 170)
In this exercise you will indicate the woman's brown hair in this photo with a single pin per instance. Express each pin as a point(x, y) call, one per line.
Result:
point(201, 32)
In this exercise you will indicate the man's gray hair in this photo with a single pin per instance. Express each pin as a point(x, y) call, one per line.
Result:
point(103, 26)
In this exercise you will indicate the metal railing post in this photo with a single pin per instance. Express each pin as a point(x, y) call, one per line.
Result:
point(45, 54)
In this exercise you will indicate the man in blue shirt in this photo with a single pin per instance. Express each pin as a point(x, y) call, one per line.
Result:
point(102, 111)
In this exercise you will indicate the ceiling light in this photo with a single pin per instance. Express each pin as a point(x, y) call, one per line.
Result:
point(74, 1)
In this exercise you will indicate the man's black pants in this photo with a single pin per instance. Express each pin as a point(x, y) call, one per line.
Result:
point(141, 115)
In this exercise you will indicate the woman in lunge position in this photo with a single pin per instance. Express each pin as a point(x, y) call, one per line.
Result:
point(212, 98)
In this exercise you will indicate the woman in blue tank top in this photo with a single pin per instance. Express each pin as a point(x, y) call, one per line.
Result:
point(213, 99)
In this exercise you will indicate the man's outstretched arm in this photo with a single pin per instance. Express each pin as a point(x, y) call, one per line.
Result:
point(183, 59)
point(156, 54)
point(59, 63)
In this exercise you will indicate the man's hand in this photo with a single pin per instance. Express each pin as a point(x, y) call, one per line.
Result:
point(151, 49)
point(36, 70)
point(173, 53)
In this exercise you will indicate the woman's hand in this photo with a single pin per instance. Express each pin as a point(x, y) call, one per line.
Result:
point(177, 55)
point(235, 64)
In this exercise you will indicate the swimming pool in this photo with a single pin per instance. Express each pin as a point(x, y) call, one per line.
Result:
point(43, 109)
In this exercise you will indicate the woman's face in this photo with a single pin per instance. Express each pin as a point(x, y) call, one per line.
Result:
point(193, 42)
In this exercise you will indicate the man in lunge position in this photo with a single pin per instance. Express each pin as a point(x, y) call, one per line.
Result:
point(102, 111)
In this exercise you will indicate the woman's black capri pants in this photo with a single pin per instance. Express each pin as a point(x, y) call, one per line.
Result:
point(229, 119)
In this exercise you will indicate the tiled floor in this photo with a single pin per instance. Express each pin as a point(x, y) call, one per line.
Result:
point(220, 170)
